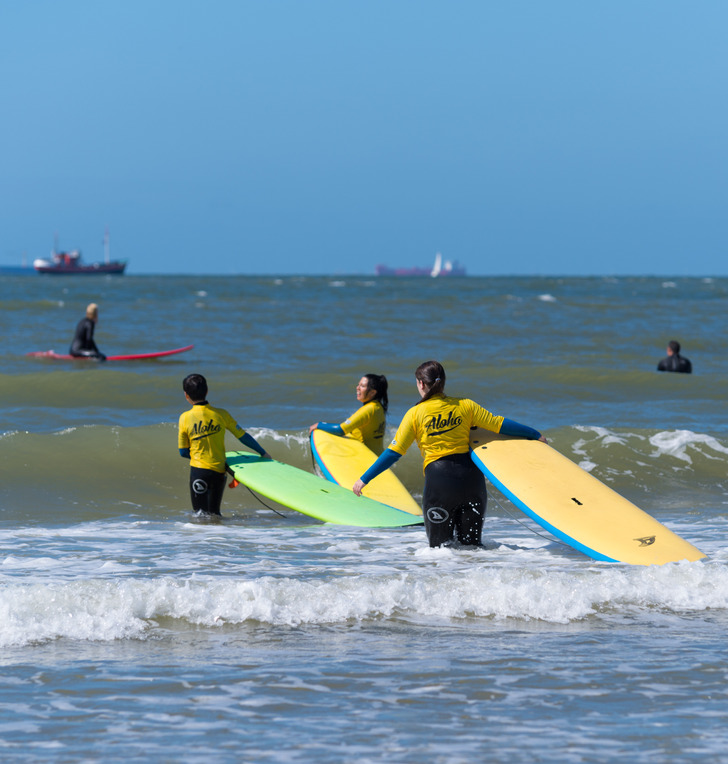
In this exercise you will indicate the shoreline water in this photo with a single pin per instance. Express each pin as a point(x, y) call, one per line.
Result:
point(131, 629)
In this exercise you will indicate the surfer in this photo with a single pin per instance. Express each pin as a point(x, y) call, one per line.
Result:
point(202, 441)
point(673, 361)
point(367, 423)
point(454, 498)
point(83, 345)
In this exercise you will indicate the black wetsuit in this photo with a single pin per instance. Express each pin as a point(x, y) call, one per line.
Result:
point(206, 490)
point(675, 362)
point(83, 345)
point(454, 500)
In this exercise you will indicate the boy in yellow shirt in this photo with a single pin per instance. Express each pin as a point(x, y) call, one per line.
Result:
point(202, 440)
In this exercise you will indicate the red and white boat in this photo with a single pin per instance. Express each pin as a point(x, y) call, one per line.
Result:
point(70, 263)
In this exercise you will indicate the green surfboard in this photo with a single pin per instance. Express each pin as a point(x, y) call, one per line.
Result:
point(312, 495)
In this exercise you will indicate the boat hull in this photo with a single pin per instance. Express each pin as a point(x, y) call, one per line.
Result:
point(385, 270)
point(82, 270)
point(439, 268)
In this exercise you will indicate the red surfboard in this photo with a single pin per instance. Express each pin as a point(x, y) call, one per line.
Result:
point(134, 357)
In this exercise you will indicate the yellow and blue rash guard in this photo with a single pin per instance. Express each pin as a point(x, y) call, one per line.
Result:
point(367, 425)
point(202, 431)
point(441, 426)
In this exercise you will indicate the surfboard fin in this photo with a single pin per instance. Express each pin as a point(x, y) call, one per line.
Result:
point(234, 483)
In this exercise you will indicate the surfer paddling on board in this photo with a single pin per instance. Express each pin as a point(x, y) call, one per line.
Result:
point(202, 441)
point(367, 423)
point(83, 345)
point(454, 498)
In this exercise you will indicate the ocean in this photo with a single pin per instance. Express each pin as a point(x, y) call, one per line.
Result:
point(132, 630)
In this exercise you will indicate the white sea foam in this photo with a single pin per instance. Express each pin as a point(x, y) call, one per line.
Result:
point(267, 433)
point(677, 443)
point(65, 431)
point(606, 437)
point(109, 609)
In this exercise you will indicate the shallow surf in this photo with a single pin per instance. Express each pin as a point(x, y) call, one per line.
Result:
point(130, 627)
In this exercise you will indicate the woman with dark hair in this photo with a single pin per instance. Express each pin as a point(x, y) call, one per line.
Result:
point(366, 423)
point(454, 497)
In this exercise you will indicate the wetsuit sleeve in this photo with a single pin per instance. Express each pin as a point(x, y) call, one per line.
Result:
point(252, 444)
point(184, 453)
point(386, 459)
point(88, 336)
point(517, 430)
point(333, 429)
point(83, 340)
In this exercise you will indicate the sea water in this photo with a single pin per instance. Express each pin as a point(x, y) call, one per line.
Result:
point(129, 629)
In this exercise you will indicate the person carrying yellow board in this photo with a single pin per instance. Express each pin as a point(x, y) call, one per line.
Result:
point(367, 423)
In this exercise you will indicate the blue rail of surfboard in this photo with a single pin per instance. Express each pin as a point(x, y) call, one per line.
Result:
point(319, 462)
point(588, 551)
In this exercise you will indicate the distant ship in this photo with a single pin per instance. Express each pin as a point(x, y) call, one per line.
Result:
point(440, 268)
point(70, 263)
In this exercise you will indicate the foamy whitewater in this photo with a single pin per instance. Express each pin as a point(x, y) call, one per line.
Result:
point(132, 630)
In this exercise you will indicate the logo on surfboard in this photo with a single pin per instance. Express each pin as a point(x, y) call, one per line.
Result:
point(646, 540)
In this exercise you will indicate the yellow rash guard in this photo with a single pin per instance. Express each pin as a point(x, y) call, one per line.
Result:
point(441, 426)
point(202, 430)
point(367, 425)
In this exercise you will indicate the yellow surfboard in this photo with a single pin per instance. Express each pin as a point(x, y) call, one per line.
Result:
point(345, 460)
point(573, 505)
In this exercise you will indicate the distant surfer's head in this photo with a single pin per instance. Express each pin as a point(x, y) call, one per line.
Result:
point(195, 385)
point(431, 377)
point(673, 346)
point(92, 311)
point(374, 388)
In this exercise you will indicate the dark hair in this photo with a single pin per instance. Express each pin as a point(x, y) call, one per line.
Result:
point(674, 345)
point(432, 376)
point(195, 385)
point(378, 383)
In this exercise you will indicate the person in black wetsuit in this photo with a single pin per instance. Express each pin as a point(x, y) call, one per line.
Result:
point(83, 345)
point(201, 439)
point(674, 361)
point(454, 497)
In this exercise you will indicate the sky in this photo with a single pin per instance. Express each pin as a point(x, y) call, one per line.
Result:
point(561, 137)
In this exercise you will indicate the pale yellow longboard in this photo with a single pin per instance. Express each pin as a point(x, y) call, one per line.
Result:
point(345, 460)
point(573, 505)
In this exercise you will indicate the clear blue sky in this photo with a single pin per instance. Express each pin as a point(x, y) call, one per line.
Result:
point(324, 136)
